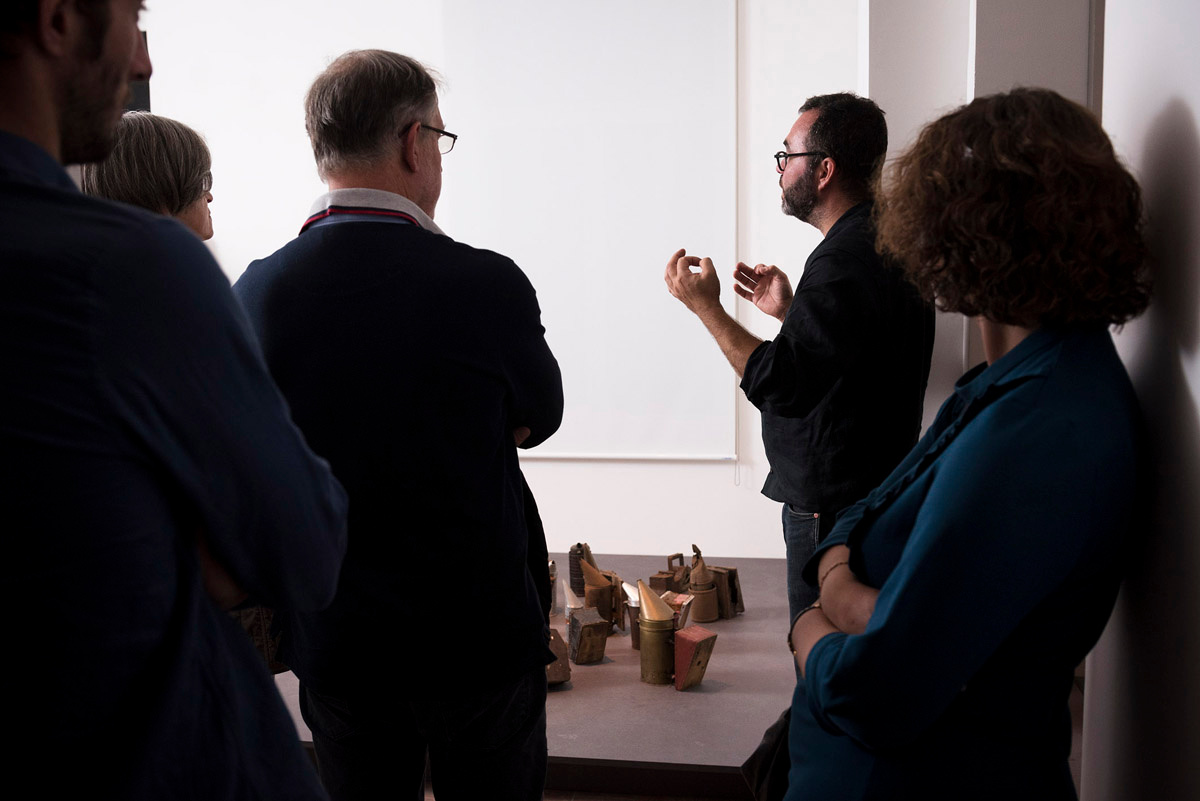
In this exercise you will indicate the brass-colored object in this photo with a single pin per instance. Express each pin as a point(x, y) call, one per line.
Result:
point(675, 578)
point(693, 649)
point(603, 591)
point(705, 607)
point(597, 590)
point(653, 607)
point(587, 634)
point(558, 671)
point(657, 651)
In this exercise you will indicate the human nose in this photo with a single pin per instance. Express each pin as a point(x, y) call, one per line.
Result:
point(140, 67)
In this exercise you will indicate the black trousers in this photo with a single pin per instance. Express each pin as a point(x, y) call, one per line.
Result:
point(480, 744)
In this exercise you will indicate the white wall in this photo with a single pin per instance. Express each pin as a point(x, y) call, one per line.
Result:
point(787, 52)
point(1022, 43)
point(264, 182)
point(919, 68)
point(1142, 710)
point(915, 57)
point(218, 66)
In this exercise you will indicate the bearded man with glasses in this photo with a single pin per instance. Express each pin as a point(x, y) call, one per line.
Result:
point(841, 389)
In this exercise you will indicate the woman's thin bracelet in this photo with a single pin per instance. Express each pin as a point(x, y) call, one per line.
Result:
point(825, 575)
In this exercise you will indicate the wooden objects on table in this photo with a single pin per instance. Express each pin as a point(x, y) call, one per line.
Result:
point(587, 633)
point(579, 552)
point(705, 608)
point(558, 671)
point(693, 649)
point(729, 591)
point(681, 603)
point(602, 591)
point(675, 578)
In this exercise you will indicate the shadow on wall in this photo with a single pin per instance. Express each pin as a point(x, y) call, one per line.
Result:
point(1157, 697)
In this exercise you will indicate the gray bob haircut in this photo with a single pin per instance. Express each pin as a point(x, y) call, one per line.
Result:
point(158, 163)
point(360, 102)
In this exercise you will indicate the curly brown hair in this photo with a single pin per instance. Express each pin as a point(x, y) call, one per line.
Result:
point(1015, 207)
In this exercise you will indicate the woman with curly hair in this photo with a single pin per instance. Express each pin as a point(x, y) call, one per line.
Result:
point(158, 164)
point(957, 599)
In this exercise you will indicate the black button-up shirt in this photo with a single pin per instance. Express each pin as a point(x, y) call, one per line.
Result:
point(842, 388)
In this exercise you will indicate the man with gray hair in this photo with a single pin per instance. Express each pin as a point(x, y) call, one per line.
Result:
point(436, 642)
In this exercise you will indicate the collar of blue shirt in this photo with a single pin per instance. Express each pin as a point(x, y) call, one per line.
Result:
point(22, 160)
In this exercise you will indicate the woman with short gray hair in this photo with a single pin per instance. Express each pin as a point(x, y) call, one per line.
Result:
point(159, 164)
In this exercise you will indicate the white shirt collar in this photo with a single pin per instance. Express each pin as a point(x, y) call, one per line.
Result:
point(374, 199)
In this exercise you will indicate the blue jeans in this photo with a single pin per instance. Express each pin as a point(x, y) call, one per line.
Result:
point(489, 744)
point(802, 531)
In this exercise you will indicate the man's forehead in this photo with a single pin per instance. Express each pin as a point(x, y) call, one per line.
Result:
point(799, 132)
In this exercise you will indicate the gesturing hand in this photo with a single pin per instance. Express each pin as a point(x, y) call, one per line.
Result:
point(767, 287)
point(700, 292)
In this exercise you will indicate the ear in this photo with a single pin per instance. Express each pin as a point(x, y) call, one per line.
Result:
point(825, 173)
point(408, 147)
point(57, 23)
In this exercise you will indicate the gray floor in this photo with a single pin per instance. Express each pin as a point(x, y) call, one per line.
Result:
point(606, 712)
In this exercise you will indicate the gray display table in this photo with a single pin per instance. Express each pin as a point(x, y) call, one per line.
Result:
point(607, 731)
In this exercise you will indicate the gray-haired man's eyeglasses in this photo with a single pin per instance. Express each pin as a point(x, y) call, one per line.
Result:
point(446, 139)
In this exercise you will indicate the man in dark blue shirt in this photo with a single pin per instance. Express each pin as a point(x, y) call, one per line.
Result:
point(841, 389)
point(149, 472)
point(417, 365)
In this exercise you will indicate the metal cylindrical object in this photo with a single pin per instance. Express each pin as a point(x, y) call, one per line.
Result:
point(704, 605)
point(635, 631)
point(657, 651)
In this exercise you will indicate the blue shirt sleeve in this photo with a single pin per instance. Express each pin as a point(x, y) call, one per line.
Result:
point(1011, 511)
point(187, 377)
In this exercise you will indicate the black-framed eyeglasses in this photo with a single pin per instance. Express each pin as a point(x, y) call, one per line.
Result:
point(781, 158)
point(446, 139)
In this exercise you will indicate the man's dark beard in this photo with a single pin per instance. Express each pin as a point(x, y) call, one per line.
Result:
point(800, 198)
point(87, 133)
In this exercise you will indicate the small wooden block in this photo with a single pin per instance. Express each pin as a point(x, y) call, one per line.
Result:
point(729, 591)
point(693, 649)
point(661, 581)
point(587, 635)
point(559, 670)
point(618, 599)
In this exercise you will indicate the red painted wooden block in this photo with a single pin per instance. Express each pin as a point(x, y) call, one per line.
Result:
point(693, 649)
